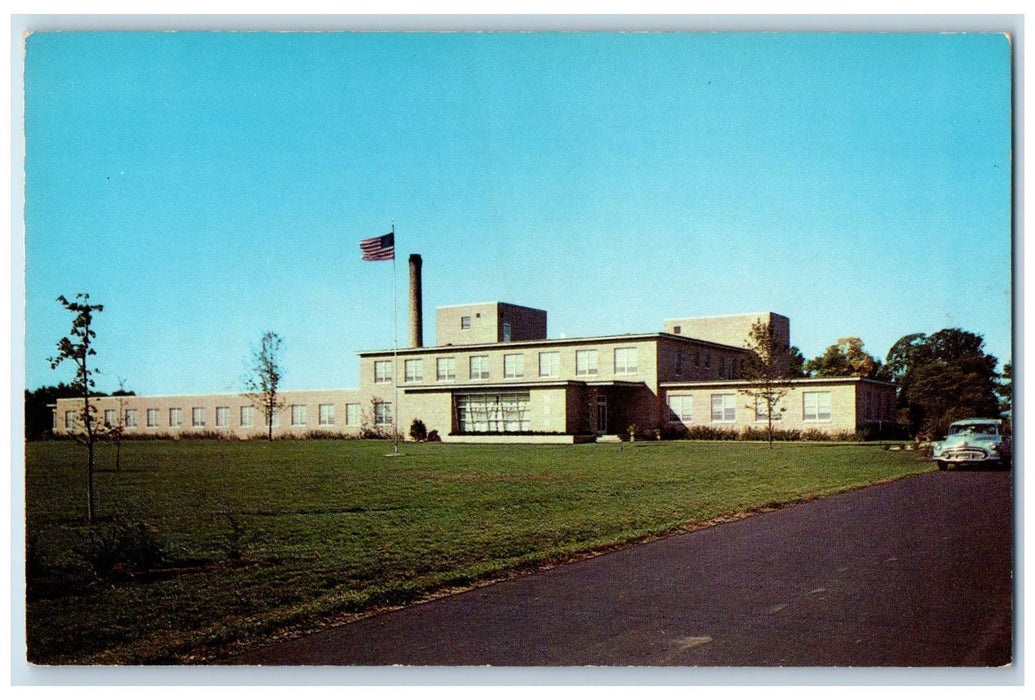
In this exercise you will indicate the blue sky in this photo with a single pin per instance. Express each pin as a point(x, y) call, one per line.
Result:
point(207, 187)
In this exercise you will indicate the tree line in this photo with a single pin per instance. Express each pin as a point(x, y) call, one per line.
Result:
point(940, 378)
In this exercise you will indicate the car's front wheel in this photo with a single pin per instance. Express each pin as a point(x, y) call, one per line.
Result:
point(942, 466)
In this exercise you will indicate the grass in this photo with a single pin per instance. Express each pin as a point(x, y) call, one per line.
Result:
point(260, 538)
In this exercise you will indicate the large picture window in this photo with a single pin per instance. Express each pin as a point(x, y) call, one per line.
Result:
point(815, 405)
point(493, 413)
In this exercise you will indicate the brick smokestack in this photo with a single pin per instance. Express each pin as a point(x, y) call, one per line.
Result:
point(416, 304)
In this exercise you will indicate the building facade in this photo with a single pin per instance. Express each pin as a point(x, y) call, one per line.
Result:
point(494, 375)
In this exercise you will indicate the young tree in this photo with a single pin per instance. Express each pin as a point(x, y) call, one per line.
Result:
point(116, 431)
point(76, 348)
point(766, 371)
point(262, 383)
point(845, 358)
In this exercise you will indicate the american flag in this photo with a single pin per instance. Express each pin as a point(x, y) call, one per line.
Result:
point(378, 247)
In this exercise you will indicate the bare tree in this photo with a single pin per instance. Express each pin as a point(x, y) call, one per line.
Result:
point(262, 383)
point(118, 429)
point(766, 372)
point(76, 348)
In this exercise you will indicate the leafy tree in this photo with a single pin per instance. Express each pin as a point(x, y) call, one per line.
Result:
point(263, 382)
point(76, 348)
point(38, 414)
point(845, 358)
point(796, 363)
point(942, 378)
point(1005, 389)
point(766, 370)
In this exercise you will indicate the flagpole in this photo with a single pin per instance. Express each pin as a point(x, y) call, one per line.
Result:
point(395, 352)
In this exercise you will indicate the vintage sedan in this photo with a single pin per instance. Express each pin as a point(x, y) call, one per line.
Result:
point(973, 442)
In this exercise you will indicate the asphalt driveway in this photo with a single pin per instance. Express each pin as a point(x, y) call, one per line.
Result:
point(915, 573)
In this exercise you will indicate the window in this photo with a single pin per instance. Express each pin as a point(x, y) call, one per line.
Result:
point(298, 414)
point(383, 372)
point(513, 366)
point(585, 362)
point(465, 323)
point(479, 367)
point(493, 413)
point(680, 362)
point(816, 405)
point(222, 416)
point(549, 364)
point(681, 409)
point(414, 370)
point(506, 332)
point(131, 417)
point(276, 417)
point(109, 416)
point(625, 360)
point(152, 418)
point(762, 410)
point(175, 417)
point(247, 416)
point(69, 420)
point(197, 417)
point(326, 414)
point(382, 414)
point(352, 415)
point(446, 369)
point(678, 330)
point(724, 408)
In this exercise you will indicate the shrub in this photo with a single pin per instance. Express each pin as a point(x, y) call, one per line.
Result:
point(418, 431)
point(708, 432)
point(119, 549)
point(434, 437)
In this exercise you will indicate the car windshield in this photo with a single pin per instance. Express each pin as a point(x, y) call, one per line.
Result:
point(974, 429)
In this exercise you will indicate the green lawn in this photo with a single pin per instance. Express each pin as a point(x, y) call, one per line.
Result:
point(263, 537)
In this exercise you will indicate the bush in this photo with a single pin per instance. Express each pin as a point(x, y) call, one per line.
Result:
point(119, 549)
point(707, 432)
point(418, 431)
point(434, 437)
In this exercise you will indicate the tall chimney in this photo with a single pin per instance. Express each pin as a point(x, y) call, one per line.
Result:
point(416, 314)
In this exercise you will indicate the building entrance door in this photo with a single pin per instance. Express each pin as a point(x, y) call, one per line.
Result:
point(601, 415)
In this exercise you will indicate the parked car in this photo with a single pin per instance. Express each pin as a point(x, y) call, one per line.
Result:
point(973, 442)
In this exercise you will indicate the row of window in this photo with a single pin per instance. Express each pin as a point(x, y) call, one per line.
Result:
point(199, 417)
point(586, 364)
point(815, 407)
point(727, 366)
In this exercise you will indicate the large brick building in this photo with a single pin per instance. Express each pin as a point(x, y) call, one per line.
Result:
point(494, 374)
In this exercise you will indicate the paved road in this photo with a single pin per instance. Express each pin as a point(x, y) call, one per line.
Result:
point(914, 573)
